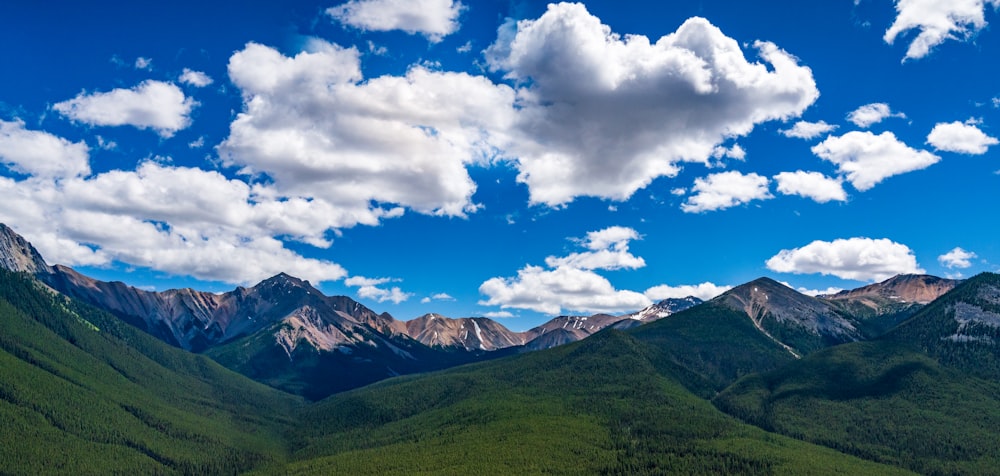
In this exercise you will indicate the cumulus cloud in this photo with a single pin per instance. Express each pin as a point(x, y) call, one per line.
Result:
point(937, 21)
point(179, 220)
point(604, 115)
point(550, 291)
point(368, 148)
point(957, 258)
point(437, 297)
point(607, 249)
point(143, 63)
point(371, 288)
point(867, 159)
point(434, 19)
point(862, 259)
point(725, 190)
point(197, 79)
point(808, 130)
point(150, 105)
point(498, 315)
point(703, 291)
point(963, 138)
point(812, 185)
point(870, 114)
point(41, 154)
point(570, 282)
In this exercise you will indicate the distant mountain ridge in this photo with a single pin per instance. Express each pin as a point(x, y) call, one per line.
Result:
point(286, 333)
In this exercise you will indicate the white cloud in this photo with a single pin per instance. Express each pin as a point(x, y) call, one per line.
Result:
point(197, 79)
point(434, 19)
point(963, 138)
point(143, 63)
point(608, 249)
point(808, 130)
point(590, 95)
point(812, 185)
point(178, 220)
point(498, 315)
point(555, 290)
point(150, 105)
point(957, 258)
point(437, 297)
point(41, 154)
point(817, 292)
point(866, 159)
point(361, 281)
point(937, 21)
point(862, 259)
point(725, 190)
point(366, 148)
point(394, 294)
point(369, 288)
point(734, 152)
point(570, 283)
point(870, 114)
point(703, 291)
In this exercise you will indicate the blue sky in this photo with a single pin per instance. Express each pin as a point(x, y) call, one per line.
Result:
point(510, 159)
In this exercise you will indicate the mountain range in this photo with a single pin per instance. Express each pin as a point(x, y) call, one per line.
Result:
point(286, 333)
point(897, 376)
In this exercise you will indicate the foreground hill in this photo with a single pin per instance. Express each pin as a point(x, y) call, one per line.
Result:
point(925, 396)
point(83, 393)
point(596, 406)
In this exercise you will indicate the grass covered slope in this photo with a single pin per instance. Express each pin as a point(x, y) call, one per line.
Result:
point(597, 406)
point(81, 392)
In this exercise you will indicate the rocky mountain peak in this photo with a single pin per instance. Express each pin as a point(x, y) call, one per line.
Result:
point(907, 288)
point(16, 254)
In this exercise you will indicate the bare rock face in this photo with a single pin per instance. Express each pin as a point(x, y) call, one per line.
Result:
point(468, 333)
point(904, 288)
point(797, 322)
point(16, 254)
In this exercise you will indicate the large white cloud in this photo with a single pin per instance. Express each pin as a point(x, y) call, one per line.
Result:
point(433, 18)
point(41, 154)
point(703, 291)
point(150, 105)
point(812, 185)
point(862, 259)
point(870, 114)
point(964, 138)
point(179, 220)
point(937, 21)
point(867, 159)
point(725, 190)
point(603, 115)
point(312, 125)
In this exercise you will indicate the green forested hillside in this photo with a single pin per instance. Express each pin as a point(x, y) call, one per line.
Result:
point(880, 401)
point(595, 407)
point(709, 347)
point(919, 397)
point(83, 393)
